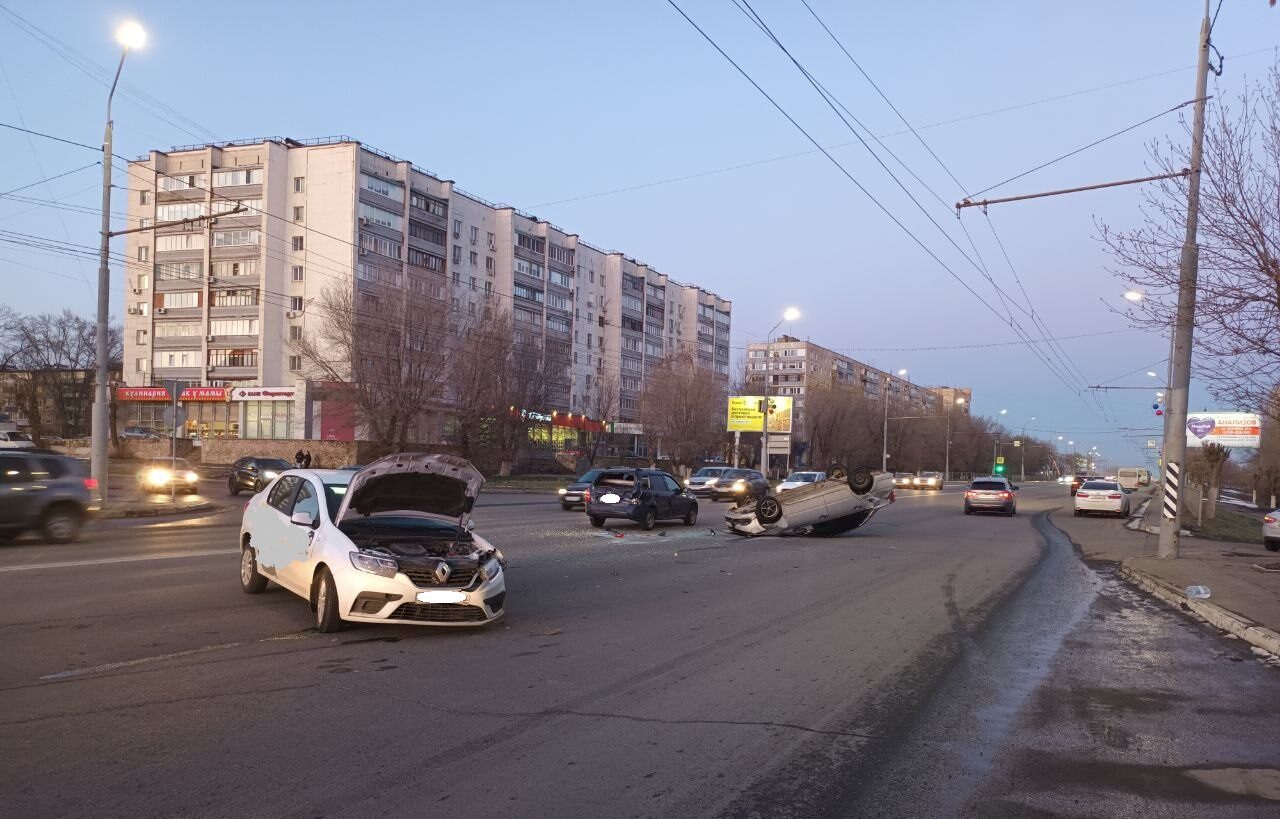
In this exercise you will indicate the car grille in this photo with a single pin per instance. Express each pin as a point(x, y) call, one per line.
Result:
point(461, 577)
point(439, 612)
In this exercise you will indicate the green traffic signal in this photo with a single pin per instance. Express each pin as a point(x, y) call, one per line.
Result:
point(998, 470)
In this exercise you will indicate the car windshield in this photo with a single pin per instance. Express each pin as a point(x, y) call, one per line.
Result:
point(710, 472)
point(278, 464)
point(989, 485)
point(736, 474)
point(19, 436)
point(802, 477)
point(1101, 485)
point(333, 495)
point(589, 476)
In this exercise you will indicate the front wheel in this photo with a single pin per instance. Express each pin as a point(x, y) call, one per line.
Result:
point(768, 510)
point(251, 580)
point(649, 519)
point(60, 525)
point(1273, 545)
point(596, 521)
point(691, 517)
point(326, 595)
point(233, 488)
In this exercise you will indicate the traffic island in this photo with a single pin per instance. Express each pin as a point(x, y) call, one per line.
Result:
point(1244, 588)
point(158, 506)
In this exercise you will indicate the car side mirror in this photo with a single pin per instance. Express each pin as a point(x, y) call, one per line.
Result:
point(471, 525)
point(302, 519)
point(1015, 487)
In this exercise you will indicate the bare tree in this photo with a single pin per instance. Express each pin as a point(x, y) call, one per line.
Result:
point(57, 353)
point(842, 427)
point(1237, 321)
point(682, 409)
point(602, 403)
point(393, 348)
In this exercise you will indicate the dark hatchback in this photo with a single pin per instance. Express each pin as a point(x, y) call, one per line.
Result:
point(571, 495)
point(253, 474)
point(645, 496)
point(991, 495)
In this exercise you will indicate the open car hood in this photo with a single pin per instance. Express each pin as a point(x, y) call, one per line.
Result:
point(444, 487)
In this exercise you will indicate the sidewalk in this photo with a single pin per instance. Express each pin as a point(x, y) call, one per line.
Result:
point(1243, 601)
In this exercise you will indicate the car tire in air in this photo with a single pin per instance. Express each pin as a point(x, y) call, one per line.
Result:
point(649, 519)
point(861, 480)
point(596, 521)
point(251, 580)
point(326, 603)
point(768, 510)
point(691, 517)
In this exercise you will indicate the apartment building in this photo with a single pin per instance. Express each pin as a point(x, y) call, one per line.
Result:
point(790, 366)
point(213, 304)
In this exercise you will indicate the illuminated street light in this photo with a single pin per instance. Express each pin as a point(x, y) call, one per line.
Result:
point(131, 34)
point(1133, 295)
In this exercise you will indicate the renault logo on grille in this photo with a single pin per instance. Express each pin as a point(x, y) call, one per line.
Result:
point(442, 572)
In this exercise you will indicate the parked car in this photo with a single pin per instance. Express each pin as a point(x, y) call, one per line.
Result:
point(254, 474)
point(45, 493)
point(904, 480)
point(13, 439)
point(390, 543)
point(140, 433)
point(571, 495)
point(740, 485)
point(840, 503)
point(927, 480)
point(645, 496)
point(162, 473)
point(703, 482)
point(1271, 531)
point(798, 479)
point(1107, 497)
point(993, 494)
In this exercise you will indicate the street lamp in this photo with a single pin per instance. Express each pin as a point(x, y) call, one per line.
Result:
point(946, 467)
point(1133, 296)
point(884, 449)
point(790, 314)
point(1022, 467)
point(129, 35)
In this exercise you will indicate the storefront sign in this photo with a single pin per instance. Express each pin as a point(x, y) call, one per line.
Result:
point(624, 428)
point(1233, 429)
point(263, 394)
point(745, 415)
point(142, 394)
point(203, 394)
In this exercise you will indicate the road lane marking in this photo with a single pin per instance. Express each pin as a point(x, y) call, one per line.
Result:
point(69, 564)
point(80, 672)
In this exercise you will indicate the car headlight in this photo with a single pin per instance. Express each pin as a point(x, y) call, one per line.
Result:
point(270, 474)
point(686, 481)
point(159, 477)
point(562, 491)
point(192, 477)
point(375, 564)
point(490, 569)
point(739, 486)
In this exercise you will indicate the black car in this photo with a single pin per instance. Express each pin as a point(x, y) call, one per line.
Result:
point(643, 495)
point(739, 485)
point(571, 495)
point(254, 474)
point(46, 493)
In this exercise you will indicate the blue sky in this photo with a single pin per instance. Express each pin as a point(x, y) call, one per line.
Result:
point(533, 104)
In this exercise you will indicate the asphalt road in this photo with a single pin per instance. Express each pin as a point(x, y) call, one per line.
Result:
point(685, 672)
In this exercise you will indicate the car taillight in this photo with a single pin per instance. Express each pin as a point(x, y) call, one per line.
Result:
point(1114, 496)
point(586, 496)
point(892, 496)
point(1268, 519)
point(969, 493)
point(91, 484)
point(1082, 494)
point(1006, 495)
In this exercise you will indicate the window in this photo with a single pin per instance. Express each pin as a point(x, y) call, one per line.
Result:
point(558, 278)
point(457, 228)
point(177, 358)
point(656, 292)
point(181, 182)
point(178, 211)
point(184, 299)
point(632, 302)
point(295, 332)
point(433, 206)
point(558, 323)
point(235, 298)
point(526, 292)
point(237, 238)
point(282, 493)
point(635, 325)
point(561, 254)
point(295, 303)
point(378, 216)
point(456, 304)
point(558, 301)
point(245, 267)
point(428, 233)
point(475, 234)
point(243, 176)
point(475, 259)
point(632, 364)
point(142, 308)
point(457, 254)
point(488, 265)
point(299, 184)
point(251, 207)
point(471, 307)
point(588, 341)
point(379, 245)
point(297, 273)
point(421, 258)
point(298, 212)
point(386, 187)
point(140, 365)
point(534, 243)
point(631, 344)
point(144, 281)
point(233, 327)
point(529, 268)
point(295, 362)
point(653, 349)
point(244, 357)
point(297, 243)
point(146, 222)
point(140, 337)
point(526, 316)
point(177, 329)
point(493, 244)
point(180, 241)
point(473, 282)
point(457, 278)
point(144, 197)
point(630, 382)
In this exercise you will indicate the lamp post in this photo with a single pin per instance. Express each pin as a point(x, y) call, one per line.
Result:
point(946, 468)
point(884, 449)
point(129, 35)
point(1022, 468)
point(790, 314)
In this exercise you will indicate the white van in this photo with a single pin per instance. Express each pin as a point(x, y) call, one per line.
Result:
point(12, 439)
point(1129, 477)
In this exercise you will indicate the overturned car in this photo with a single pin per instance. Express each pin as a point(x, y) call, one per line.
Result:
point(841, 503)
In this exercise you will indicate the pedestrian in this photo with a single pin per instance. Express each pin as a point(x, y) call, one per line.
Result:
point(297, 459)
point(306, 459)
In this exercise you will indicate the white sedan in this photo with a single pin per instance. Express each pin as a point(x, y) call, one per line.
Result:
point(389, 543)
point(1271, 531)
point(1105, 497)
point(841, 503)
point(798, 479)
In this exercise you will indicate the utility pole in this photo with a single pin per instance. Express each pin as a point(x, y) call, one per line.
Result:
point(884, 449)
point(1175, 419)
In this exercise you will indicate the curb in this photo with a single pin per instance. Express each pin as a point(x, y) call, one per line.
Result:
point(165, 511)
point(1230, 622)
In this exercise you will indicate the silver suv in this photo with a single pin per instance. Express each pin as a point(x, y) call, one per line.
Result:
point(46, 493)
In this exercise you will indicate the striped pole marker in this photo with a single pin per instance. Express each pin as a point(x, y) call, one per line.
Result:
point(1171, 472)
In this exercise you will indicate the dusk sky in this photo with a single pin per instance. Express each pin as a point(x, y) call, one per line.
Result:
point(619, 122)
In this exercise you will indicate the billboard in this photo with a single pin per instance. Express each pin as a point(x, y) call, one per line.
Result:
point(745, 416)
point(1233, 429)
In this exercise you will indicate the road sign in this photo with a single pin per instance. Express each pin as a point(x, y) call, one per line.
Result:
point(1017, 443)
point(1000, 459)
point(1151, 444)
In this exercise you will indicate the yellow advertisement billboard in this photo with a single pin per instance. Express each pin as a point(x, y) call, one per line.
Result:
point(745, 416)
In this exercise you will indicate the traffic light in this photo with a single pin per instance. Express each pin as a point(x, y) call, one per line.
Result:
point(998, 470)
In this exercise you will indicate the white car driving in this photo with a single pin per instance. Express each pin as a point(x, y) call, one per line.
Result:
point(1101, 496)
point(389, 543)
point(798, 479)
point(826, 508)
